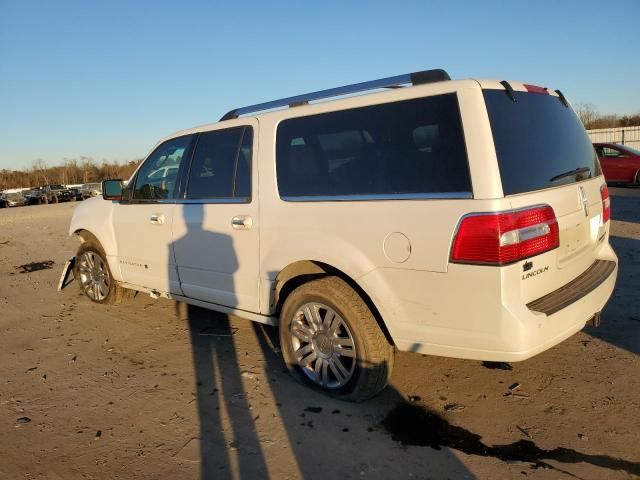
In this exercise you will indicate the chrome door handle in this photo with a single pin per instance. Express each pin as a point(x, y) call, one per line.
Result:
point(157, 219)
point(241, 222)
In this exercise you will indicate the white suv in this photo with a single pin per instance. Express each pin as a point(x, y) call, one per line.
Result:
point(460, 218)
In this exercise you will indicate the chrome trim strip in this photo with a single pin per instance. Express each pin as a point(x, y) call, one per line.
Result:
point(187, 201)
point(372, 197)
point(214, 200)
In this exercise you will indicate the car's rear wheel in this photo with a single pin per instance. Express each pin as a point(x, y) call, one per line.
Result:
point(94, 277)
point(331, 341)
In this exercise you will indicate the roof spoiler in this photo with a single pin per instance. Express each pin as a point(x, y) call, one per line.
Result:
point(532, 88)
point(415, 78)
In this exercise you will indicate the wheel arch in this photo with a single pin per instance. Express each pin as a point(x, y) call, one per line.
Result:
point(303, 271)
point(85, 235)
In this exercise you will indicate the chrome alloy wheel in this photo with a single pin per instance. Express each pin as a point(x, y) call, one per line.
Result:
point(94, 276)
point(323, 345)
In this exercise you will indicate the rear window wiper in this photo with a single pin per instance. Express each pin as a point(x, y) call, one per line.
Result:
point(570, 173)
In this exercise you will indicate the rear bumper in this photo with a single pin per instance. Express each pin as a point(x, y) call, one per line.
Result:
point(573, 291)
point(472, 314)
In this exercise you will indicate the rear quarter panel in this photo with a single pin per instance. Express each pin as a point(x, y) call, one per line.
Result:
point(350, 235)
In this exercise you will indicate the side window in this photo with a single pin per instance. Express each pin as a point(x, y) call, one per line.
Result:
point(221, 165)
point(341, 148)
point(157, 178)
point(411, 147)
point(611, 153)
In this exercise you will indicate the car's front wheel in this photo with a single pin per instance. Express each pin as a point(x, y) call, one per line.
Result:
point(331, 341)
point(93, 275)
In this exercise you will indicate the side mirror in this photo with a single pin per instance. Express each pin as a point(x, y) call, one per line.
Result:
point(112, 189)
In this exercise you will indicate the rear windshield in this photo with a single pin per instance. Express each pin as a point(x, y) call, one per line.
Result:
point(408, 148)
point(540, 143)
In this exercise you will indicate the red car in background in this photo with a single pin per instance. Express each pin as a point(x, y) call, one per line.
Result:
point(620, 164)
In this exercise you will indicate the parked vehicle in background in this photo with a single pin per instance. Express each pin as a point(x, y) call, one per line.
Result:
point(77, 194)
point(89, 190)
point(57, 193)
point(53, 193)
point(14, 200)
point(464, 218)
point(34, 196)
point(620, 163)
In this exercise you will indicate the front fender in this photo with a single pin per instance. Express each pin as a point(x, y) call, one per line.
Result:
point(95, 215)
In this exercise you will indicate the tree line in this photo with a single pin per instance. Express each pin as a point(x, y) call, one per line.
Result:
point(72, 171)
point(592, 120)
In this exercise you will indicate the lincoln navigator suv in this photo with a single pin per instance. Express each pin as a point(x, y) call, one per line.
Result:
point(462, 218)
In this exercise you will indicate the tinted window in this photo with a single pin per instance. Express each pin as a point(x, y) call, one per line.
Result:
point(610, 152)
point(410, 147)
point(539, 142)
point(157, 178)
point(221, 164)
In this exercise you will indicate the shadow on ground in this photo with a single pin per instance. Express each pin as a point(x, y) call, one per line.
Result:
point(329, 438)
point(621, 317)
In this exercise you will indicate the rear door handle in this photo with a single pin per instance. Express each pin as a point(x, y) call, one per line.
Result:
point(241, 222)
point(157, 219)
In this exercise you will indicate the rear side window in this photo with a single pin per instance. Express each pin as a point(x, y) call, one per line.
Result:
point(407, 148)
point(539, 142)
point(221, 165)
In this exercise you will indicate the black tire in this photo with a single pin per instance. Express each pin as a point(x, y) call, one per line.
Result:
point(115, 293)
point(373, 354)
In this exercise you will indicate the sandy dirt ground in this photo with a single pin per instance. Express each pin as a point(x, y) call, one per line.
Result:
point(154, 390)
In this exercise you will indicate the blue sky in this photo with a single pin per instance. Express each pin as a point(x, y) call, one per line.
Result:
point(107, 79)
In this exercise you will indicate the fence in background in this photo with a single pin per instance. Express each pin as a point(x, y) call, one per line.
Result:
point(629, 136)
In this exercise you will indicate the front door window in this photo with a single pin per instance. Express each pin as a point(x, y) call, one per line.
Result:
point(157, 178)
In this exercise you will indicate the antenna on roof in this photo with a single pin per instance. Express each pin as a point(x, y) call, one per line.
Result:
point(415, 78)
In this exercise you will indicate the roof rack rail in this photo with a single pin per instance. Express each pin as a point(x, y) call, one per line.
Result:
point(416, 78)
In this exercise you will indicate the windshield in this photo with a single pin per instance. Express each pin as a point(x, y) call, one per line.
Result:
point(539, 142)
point(56, 187)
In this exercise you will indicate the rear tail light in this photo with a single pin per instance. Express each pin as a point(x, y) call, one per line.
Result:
point(606, 203)
point(502, 238)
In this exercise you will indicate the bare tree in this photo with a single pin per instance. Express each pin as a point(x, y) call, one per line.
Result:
point(87, 168)
point(587, 113)
point(40, 170)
